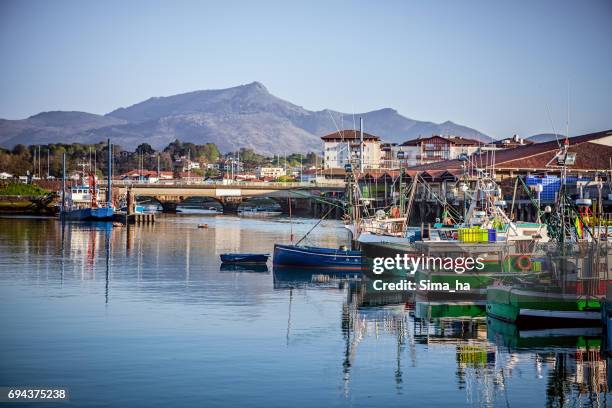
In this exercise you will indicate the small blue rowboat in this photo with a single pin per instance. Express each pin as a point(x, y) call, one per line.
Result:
point(316, 257)
point(244, 258)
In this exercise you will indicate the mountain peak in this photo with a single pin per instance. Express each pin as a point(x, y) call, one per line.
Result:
point(246, 115)
point(256, 85)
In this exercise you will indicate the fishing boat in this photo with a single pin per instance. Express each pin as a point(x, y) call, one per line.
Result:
point(317, 257)
point(244, 258)
point(82, 203)
point(101, 213)
point(541, 305)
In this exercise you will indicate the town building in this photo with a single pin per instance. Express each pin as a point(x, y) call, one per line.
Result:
point(511, 142)
point(245, 177)
point(231, 164)
point(270, 172)
point(190, 178)
point(345, 147)
point(424, 150)
point(146, 176)
point(313, 175)
point(387, 160)
point(189, 165)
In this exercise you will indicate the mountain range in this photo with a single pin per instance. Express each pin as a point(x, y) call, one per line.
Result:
point(242, 116)
point(545, 137)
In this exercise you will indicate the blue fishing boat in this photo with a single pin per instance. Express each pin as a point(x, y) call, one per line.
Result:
point(316, 257)
point(82, 204)
point(244, 258)
point(88, 214)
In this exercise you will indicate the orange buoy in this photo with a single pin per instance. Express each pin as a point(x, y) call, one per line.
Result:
point(523, 263)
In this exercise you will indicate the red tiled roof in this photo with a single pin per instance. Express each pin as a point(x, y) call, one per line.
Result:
point(349, 135)
point(457, 140)
point(589, 155)
point(146, 173)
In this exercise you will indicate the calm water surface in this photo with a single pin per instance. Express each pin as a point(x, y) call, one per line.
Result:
point(145, 317)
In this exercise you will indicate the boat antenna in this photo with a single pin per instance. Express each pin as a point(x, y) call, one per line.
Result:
point(567, 120)
point(361, 144)
point(552, 125)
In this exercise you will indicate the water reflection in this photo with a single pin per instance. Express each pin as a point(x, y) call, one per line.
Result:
point(243, 268)
point(490, 355)
point(152, 304)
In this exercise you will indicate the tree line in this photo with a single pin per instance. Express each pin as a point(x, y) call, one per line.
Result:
point(43, 160)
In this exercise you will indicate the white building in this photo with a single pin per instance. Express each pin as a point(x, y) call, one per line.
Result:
point(270, 172)
point(190, 165)
point(344, 147)
point(431, 149)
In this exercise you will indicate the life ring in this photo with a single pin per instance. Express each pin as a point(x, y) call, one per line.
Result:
point(523, 263)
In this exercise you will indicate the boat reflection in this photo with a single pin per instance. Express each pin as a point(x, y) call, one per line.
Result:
point(492, 357)
point(571, 357)
point(228, 267)
point(290, 277)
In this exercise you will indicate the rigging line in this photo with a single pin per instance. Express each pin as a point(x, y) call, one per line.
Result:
point(318, 222)
point(335, 125)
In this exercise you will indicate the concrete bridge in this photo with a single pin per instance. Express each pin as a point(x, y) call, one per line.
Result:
point(230, 196)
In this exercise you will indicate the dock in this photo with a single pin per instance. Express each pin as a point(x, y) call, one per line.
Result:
point(136, 218)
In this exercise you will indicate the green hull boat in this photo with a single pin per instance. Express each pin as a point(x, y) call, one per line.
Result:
point(541, 305)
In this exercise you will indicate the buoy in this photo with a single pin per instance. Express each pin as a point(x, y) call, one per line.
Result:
point(523, 263)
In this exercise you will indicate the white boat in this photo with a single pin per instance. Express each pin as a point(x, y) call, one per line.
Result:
point(258, 212)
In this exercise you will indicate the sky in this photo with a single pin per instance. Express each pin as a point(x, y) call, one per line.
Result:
point(502, 67)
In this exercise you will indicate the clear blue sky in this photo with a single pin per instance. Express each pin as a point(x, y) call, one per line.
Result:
point(491, 65)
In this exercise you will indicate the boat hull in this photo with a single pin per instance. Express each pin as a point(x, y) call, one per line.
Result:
point(323, 258)
point(532, 307)
point(88, 214)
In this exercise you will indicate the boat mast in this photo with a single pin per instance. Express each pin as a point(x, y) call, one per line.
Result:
point(360, 145)
point(63, 181)
point(109, 194)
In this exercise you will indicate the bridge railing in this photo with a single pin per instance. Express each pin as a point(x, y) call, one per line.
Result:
point(235, 184)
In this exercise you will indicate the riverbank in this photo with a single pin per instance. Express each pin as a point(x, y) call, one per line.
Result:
point(26, 199)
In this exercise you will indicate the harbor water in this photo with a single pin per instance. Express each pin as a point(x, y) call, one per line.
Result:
point(145, 316)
